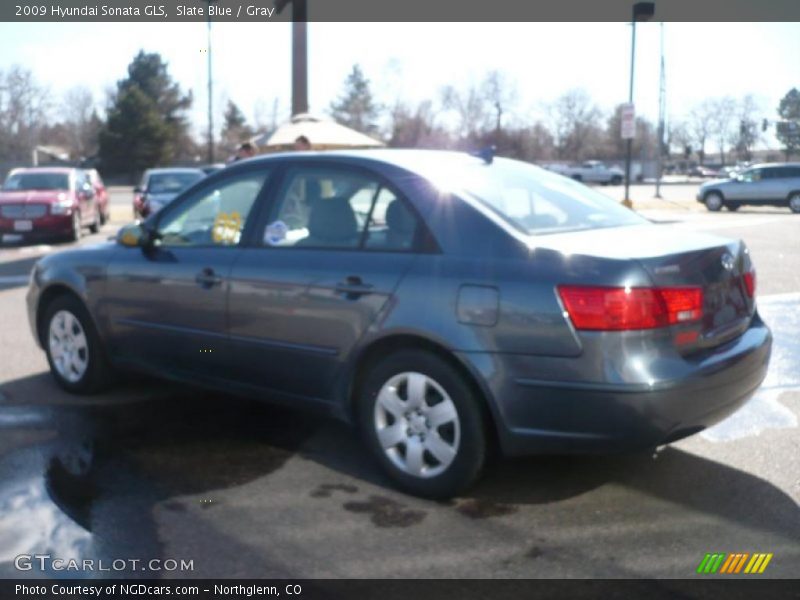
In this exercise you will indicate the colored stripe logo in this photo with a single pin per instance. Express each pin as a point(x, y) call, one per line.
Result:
point(734, 563)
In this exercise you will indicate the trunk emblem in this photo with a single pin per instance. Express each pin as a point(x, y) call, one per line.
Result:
point(727, 261)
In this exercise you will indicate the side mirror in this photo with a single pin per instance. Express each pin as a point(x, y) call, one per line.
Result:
point(133, 235)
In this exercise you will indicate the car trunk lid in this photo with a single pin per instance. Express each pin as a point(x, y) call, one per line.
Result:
point(675, 258)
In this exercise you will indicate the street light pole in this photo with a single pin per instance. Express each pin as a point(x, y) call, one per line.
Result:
point(629, 141)
point(642, 11)
point(210, 93)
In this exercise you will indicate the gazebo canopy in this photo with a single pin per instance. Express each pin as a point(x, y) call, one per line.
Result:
point(323, 134)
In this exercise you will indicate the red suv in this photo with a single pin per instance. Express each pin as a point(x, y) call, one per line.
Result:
point(101, 195)
point(43, 202)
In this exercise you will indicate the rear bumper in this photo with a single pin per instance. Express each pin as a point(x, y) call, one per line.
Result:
point(547, 416)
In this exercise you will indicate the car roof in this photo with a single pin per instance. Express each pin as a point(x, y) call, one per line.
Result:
point(425, 163)
point(62, 170)
point(774, 164)
point(160, 170)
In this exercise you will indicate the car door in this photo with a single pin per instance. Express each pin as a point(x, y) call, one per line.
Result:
point(750, 187)
point(775, 183)
point(166, 303)
point(325, 265)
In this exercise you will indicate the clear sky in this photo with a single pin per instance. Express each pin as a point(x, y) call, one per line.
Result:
point(413, 61)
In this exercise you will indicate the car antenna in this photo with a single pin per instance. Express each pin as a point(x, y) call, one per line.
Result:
point(486, 154)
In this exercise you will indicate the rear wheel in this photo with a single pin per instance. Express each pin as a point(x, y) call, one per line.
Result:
point(616, 180)
point(423, 423)
point(714, 201)
point(732, 206)
point(794, 202)
point(74, 351)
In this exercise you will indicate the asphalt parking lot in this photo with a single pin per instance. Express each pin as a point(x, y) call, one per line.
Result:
point(150, 470)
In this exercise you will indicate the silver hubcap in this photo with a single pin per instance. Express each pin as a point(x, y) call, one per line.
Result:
point(417, 424)
point(713, 201)
point(794, 203)
point(69, 349)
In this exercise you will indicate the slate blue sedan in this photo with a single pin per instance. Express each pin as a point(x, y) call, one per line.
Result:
point(446, 303)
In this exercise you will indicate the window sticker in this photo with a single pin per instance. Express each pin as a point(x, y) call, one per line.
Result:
point(226, 228)
point(275, 233)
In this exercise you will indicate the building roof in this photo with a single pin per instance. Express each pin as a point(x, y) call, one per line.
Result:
point(323, 134)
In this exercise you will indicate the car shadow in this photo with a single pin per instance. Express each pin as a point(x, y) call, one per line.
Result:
point(114, 457)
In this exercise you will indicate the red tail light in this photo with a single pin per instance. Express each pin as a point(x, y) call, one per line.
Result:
point(749, 279)
point(623, 308)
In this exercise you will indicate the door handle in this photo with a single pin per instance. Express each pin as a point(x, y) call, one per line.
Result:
point(207, 278)
point(353, 287)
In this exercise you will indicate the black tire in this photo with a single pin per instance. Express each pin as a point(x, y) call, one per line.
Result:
point(794, 202)
point(714, 201)
point(732, 206)
point(616, 180)
point(472, 418)
point(103, 218)
point(577, 177)
point(98, 221)
point(77, 227)
point(98, 373)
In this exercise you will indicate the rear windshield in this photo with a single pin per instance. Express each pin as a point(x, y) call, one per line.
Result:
point(171, 183)
point(37, 181)
point(537, 201)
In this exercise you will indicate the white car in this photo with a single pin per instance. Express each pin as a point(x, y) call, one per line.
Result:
point(592, 171)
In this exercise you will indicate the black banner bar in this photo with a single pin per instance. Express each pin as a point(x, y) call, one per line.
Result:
point(402, 589)
point(393, 10)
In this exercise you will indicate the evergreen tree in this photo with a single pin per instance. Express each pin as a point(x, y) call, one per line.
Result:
point(789, 132)
point(235, 129)
point(146, 123)
point(356, 108)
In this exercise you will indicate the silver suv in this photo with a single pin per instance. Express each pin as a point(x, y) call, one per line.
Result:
point(776, 184)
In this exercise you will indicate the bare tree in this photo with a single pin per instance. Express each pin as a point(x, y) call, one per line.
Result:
point(700, 122)
point(574, 119)
point(24, 108)
point(500, 94)
point(470, 109)
point(416, 127)
point(81, 120)
point(723, 122)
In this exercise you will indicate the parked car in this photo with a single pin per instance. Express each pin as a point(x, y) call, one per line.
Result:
point(210, 169)
point(101, 195)
point(705, 172)
point(592, 171)
point(443, 302)
point(776, 184)
point(47, 202)
point(159, 186)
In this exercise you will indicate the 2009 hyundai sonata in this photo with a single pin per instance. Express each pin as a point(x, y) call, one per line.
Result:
point(445, 302)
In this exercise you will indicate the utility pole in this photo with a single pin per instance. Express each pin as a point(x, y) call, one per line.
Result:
point(299, 53)
point(662, 116)
point(642, 11)
point(210, 92)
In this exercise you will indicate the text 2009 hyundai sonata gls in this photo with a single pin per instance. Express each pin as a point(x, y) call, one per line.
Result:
point(444, 302)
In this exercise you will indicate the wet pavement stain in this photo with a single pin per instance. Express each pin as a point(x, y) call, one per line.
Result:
point(385, 512)
point(326, 490)
point(476, 508)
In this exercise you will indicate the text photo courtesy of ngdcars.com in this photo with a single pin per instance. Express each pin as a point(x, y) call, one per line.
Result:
point(475, 321)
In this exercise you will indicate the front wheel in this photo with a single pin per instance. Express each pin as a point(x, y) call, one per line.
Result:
point(423, 423)
point(98, 221)
point(794, 202)
point(77, 227)
point(74, 351)
point(714, 201)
